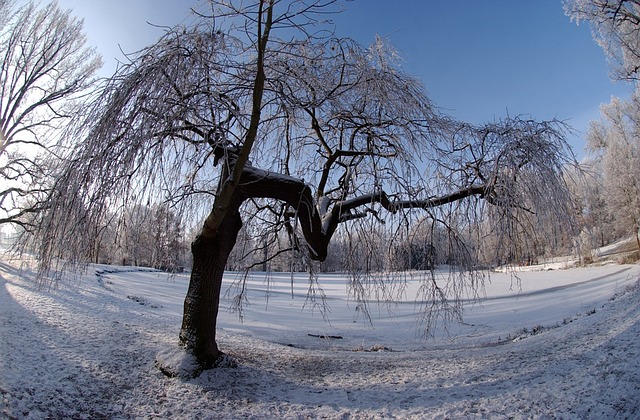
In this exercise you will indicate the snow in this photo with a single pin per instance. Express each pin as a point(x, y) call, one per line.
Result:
point(550, 343)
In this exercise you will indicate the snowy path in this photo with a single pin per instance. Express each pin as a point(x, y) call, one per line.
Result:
point(85, 351)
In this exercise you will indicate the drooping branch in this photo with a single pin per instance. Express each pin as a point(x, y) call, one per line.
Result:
point(45, 68)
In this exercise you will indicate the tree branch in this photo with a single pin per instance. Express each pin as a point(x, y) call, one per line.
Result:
point(318, 228)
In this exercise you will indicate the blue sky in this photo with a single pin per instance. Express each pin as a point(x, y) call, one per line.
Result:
point(479, 59)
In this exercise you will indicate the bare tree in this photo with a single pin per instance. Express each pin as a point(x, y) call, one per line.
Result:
point(616, 28)
point(302, 135)
point(614, 140)
point(590, 197)
point(44, 68)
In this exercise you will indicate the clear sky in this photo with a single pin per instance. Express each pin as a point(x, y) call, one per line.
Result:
point(479, 59)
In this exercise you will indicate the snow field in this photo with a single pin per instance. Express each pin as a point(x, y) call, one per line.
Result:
point(562, 343)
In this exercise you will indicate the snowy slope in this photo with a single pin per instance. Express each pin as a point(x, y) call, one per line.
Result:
point(562, 343)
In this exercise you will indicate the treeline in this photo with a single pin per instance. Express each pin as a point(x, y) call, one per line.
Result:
point(424, 244)
point(608, 203)
point(143, 235)
point(608, 198)
point(605, 190)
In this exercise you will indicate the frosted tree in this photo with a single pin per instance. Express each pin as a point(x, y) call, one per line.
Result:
point(616, 28)
point(168, 240)
point(614, 139)
point(257, 112)
point(44, 69)
point(590, 198)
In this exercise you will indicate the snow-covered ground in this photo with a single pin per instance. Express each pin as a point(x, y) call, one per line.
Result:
point(558, 343)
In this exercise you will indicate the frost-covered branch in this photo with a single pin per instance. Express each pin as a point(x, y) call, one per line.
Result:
point(45, 69)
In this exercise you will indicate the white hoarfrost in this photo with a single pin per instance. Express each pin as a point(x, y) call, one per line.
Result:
point(556, 343)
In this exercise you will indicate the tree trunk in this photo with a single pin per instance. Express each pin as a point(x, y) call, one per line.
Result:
point(212, 247)
point(198, 332)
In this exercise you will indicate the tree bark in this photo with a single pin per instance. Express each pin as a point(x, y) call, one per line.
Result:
point(198, 332)
point(211, 250)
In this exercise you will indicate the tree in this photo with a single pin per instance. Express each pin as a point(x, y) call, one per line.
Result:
point(614, 140)
point(308, 134)
point(590, 198)
point(148, 236)
point(616, 28)
point(44, 68)
point(167, 251)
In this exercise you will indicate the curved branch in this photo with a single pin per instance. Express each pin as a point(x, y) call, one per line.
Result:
point(318, 228)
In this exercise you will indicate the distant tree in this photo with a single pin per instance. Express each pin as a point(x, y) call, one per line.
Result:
point(309, 135)
point(615, 140)
point(151, 236)
point(44, 68)
point(590, 198)
point(106, 244)
point(135, 235)
point(168, 240)
point(417, 246)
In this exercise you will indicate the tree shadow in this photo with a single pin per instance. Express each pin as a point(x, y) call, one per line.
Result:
point(54, 359)
point(79, 353)
point(563, 371)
